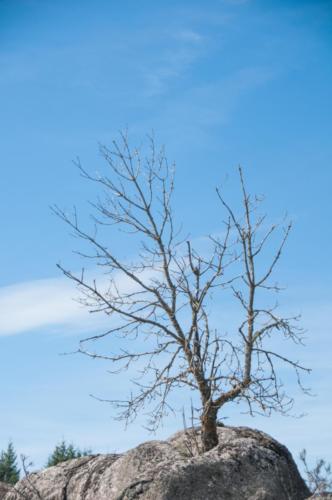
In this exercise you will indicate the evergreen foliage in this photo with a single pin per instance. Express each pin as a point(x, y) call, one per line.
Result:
point(64, 451)
point(9, 472)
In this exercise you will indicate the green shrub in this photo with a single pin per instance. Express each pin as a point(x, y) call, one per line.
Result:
point(63, 452)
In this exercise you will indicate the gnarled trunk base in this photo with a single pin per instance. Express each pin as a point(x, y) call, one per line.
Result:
point(209, 435)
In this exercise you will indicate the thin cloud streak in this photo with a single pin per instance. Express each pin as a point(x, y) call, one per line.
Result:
point(39, 304)
point(54, 304)
point(174, 61)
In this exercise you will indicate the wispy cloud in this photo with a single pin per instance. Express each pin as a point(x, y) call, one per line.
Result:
point(236, 2)
point(39, 304)
point(188, 35)
point(183, 48)
point(205, 106)
point(53, 304)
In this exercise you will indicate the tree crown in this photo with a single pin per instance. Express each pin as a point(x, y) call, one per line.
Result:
point(9, 471)
point(159, 304)
point(65, 451)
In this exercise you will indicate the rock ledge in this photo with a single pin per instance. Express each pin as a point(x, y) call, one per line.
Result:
point(246, 465)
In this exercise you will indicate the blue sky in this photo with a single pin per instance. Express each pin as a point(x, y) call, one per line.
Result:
point(221, 83)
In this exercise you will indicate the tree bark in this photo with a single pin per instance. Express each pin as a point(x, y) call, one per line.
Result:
point(209, 435)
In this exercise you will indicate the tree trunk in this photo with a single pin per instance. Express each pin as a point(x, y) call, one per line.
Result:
point(209, 435)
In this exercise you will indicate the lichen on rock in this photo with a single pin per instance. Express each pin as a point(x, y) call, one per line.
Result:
point(246, 465)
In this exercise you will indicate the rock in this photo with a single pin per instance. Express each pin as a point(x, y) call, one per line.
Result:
point(322, 496)
point(246, 465)
point(4, 488)
point(70, 479)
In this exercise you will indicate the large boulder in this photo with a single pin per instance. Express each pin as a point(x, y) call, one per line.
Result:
point(4, 488)
point(321, 496)
point(246, 465)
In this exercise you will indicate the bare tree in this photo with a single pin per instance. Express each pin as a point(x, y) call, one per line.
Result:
point(319, 477)
point(167, 305)
point(26, 488)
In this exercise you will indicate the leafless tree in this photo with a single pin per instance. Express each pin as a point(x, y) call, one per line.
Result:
point(26, 488)
point(319, 477)
point(164, 318)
